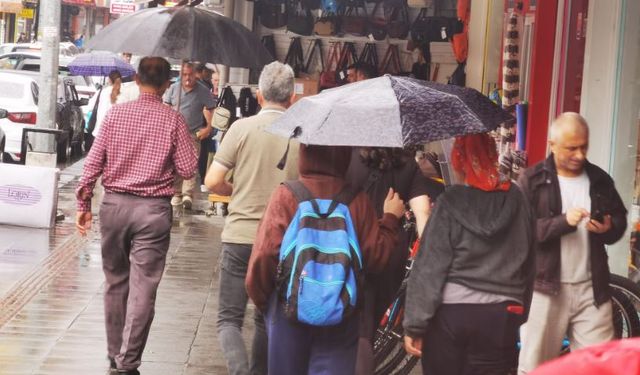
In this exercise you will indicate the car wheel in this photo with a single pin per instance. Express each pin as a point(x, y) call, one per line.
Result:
point(63, 150)
point(77, 147)
point(2, 154)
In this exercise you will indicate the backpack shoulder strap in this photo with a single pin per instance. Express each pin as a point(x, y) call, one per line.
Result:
point(299, 190)
point(345, 196)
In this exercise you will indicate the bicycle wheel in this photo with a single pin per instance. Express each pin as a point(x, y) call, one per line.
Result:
point(626, 321)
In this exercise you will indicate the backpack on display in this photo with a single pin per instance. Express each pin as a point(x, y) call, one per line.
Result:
point(320, 260)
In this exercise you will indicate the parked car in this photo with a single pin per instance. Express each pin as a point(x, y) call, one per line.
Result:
point(19, 92)
point(66, 48)
point(31, 61)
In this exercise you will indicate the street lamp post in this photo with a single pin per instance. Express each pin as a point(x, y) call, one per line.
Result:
point(49, 36)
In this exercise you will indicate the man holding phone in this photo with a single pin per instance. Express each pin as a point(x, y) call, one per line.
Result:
point(577, 211)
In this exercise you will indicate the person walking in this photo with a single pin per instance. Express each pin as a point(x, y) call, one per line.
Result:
point(253, 154)
point(296, 348)
point(142, 147)
point(469, 282)
point(196, 104)
point(375, 171)
point(101, 102)
point(578, 211)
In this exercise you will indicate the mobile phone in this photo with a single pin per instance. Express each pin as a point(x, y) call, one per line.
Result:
point(598, 216)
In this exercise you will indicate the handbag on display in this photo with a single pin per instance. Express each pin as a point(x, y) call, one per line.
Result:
point(299, 19)
point(270, 44)
point(421, 68)
point(347, 57)
point(369, 55)
point(398, 22)
point(354, 20)
point(312, 4)
point(328, 75)
point(315, 45)
point(391, 62)
point(377, 25)
point(419, 3)
point(295, 56)
point(326, 25)
point(273, 13)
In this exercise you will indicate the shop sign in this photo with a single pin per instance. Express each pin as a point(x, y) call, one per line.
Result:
point(26, 13)
point(10, 6)
point(122, 7)
point(87, 3)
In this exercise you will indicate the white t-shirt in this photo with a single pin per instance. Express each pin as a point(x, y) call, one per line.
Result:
point(575, 256)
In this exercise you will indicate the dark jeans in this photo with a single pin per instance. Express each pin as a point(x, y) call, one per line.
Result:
point(205, 148)
point(471, 339)
point(299, 349)
point(232, 305)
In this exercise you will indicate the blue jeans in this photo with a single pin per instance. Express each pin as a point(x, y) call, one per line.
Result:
point(232, 306)
point(299, 349)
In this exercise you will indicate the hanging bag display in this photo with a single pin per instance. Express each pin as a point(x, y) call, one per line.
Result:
point(376, 24)
point(369, 55)
point(295, 58)
point(299, 19)
point(391, 61)
point(273, 13)
point(270, 44)
point(328, 75)
point(348, 57)
point(315, 46)
point(354, 20)
point(326, 25)
point(398, 23)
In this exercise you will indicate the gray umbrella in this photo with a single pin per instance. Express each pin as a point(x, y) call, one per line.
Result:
point(183, 32)
point(389, 112)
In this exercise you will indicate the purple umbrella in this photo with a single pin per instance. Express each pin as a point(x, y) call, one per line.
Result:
point(100, 63)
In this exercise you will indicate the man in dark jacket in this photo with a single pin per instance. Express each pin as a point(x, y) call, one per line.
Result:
point(578, 211)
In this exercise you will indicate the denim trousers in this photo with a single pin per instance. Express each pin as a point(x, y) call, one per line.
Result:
point(232, 305)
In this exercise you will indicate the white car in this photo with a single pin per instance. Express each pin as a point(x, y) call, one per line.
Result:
point(66, 48)
point(19, 92)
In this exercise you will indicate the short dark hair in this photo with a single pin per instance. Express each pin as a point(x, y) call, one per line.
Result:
point(367, 70)
point(154, 71)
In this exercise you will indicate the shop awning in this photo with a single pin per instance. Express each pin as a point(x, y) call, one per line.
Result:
point(10, 6)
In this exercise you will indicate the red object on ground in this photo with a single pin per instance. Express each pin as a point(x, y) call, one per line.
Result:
point(612, 358)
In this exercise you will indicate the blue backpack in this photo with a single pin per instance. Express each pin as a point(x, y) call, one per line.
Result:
point(320, 259)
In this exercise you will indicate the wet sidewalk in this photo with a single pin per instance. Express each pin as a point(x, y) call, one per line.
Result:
point(51, 308)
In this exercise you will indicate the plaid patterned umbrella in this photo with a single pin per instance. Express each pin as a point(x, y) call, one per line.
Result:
point(100, 63)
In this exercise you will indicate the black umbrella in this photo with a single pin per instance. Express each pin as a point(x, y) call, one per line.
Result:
point(183, 32)
point(389, 112)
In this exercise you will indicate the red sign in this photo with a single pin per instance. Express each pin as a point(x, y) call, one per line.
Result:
point(122, 8)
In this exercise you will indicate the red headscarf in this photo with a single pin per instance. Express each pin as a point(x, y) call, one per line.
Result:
point(475, 156)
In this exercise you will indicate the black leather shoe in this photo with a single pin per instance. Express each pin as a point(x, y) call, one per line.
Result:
point(112, 363)
point(130, 372)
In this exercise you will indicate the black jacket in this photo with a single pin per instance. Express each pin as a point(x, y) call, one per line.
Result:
point(478, 239)
point(541, 186)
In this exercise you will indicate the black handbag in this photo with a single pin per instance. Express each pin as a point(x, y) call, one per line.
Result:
point(353, 21)
point(369, 55)
point(347, 57)
point(398, 22)
point(272, 13)
point(295, 56)
point(299, 19)
point(270, 44)
point(377, 25)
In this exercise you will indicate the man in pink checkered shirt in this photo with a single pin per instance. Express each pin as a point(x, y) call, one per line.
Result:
point(141, 149)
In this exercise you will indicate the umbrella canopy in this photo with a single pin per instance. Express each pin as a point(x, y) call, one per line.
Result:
point(99, 63)
point(183, 32)
point(389, 112)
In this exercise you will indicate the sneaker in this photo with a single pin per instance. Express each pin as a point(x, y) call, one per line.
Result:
point(187, 202)
point(176, 200)
point(204, 189)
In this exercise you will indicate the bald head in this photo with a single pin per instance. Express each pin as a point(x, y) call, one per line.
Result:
point(568, 122)
point(569, 141)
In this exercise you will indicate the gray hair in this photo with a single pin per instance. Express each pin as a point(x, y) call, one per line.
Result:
point(276, 82)
point(558, 125)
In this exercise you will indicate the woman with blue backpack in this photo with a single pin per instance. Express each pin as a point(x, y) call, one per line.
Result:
point(314, 242)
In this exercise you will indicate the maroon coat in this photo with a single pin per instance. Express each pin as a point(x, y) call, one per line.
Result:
point(322, 171)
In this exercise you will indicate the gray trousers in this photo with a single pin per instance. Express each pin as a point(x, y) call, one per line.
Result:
point(135, 240)
point(231, 310)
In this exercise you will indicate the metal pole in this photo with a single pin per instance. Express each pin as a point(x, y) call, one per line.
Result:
point(229, 7)
point(49, 35)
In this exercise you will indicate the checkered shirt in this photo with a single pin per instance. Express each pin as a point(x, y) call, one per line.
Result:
point(140, 148)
